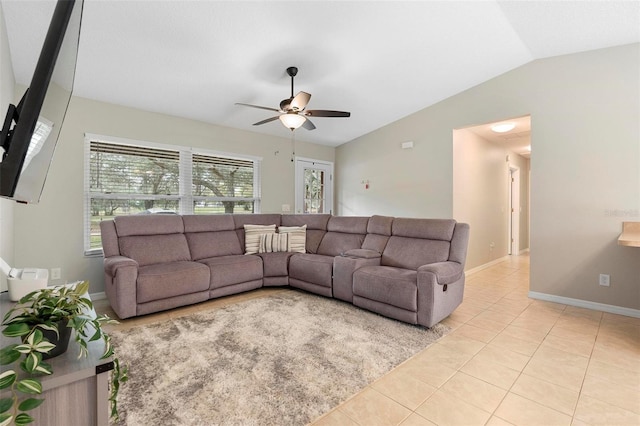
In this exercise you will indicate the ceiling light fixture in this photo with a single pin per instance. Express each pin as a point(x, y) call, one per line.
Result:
point(503, 127)
point(292, 120)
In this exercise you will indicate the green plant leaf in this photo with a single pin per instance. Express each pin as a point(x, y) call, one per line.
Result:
point(32, 361)
point(44, 346)
point(7, 378)
point(29, 404)
point(53, 328)
point(16, 330)
point(6, 404)
point(8, 354)
point(23, 419)
point(6, 419)
point(31, 386)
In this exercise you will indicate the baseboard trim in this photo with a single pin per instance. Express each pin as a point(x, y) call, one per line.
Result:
point(612, 309)
point(98, 296)
point(524, 251)
point(486, 265)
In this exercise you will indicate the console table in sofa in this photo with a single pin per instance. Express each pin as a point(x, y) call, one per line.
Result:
point(408, 269)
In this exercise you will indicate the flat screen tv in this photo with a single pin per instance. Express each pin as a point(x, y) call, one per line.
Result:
point(31, 129)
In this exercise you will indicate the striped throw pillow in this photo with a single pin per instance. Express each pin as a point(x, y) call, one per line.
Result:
point(252, 236)
point(297, 237)
point(270, 243)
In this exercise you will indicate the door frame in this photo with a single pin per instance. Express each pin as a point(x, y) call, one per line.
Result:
point(300, 163)
point(514, 210)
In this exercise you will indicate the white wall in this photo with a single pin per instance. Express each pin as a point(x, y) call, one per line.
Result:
point(585, 166)
point(481, 195)
point(50, 234)
point(7, 83)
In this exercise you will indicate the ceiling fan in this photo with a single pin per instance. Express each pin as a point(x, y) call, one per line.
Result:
point(292, 110)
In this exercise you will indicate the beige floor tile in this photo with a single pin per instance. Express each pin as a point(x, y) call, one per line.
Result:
point(614, 374)
point(443, 410)
point(462, 343)
point(404, 388)
point(443, 356)
point(521, 411)
point(473, 391)
point(574, 334)
point(335, 418)
point(525, 347)
point(487, 324)
point(416, 420)
point(617, 357)
point(547, 394)
point(497, 421)
point(617, 319)
point(596, 412)
point(559, 367)
point(142, 320)
point(535, 336)
point(500, 317)
point(582, 347)
point(370, 407)
point(427, 370)
point(534, 323)
point(612, 393)
point(476, 333)
point(491, 372)
point(510, 359)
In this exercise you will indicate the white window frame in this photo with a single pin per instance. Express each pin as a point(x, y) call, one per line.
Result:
point(186, 198)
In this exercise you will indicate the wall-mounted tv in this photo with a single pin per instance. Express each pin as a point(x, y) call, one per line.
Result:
point(31, 129)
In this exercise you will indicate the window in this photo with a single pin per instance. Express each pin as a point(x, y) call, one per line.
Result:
point(129, 177)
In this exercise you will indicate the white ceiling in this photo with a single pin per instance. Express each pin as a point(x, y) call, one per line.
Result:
point(517, 140)
point(380, 60)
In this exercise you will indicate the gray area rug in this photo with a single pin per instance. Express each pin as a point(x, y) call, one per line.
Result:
point(284, 359)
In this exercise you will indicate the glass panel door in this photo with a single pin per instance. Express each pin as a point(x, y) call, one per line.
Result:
point(314, 186)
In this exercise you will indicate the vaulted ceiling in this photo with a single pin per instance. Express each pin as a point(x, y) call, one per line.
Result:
point(380, 60)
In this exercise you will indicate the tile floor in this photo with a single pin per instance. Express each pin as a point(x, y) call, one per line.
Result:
point(509, 360)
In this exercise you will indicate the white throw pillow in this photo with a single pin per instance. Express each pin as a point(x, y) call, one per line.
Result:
point(252, 236)
point(270, 243)
point(297, 237)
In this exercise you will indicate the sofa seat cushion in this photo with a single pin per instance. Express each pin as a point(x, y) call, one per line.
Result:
point(312, 268)
point(164, 280)
point(393, 286)
point(276, 264)
point(236, 269)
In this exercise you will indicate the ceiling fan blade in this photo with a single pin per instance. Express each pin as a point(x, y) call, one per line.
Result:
point(308, 125)
point(268, 120)
point(326, 113)
point(300, 101)
point(259, 107)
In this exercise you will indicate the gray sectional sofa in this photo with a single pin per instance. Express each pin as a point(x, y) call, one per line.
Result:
point(408, 269)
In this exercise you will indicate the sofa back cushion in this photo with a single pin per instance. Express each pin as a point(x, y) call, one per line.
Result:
point(150, 239)
point(378, 233)
point(151, 249)
point(316, 227)
point(417, 242)
point(211, 236)
point(343, 233)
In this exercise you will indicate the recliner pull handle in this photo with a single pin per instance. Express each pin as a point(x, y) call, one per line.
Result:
point(444, 287)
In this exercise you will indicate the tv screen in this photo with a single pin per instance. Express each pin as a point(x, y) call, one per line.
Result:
point(31, 129)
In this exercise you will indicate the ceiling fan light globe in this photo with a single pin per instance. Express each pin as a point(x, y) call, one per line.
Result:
point(292, 121)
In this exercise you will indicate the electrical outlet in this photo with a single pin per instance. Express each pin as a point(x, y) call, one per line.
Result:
point(605, 280)
point(56, 273)
point(286, 208)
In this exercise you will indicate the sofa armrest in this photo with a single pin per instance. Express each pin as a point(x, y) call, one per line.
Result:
point(113, 263)
point(445, 272)
point(362, 254)
point(440, 291)
point(343, 269)
point(120, 285)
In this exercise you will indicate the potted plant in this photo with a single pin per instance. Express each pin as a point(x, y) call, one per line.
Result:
point(40, 319)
